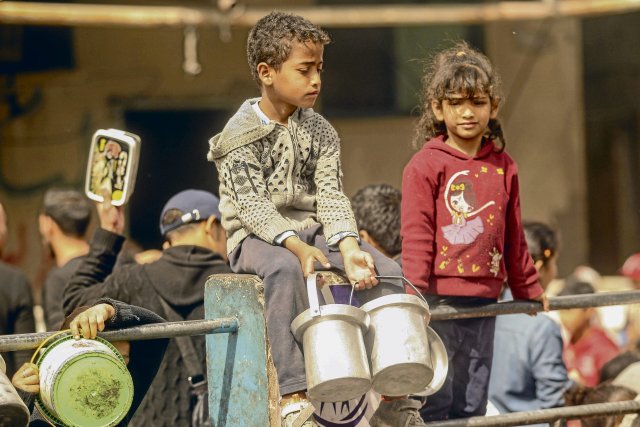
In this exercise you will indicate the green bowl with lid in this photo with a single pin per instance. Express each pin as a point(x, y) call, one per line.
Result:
point(83, 383)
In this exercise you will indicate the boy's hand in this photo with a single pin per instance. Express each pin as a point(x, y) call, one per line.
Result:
point(358, 264)
point(27, 378)
point(111, 217)
point(89, 322)
point(307, 255)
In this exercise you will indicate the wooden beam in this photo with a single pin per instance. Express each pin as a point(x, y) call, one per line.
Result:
point(66, 14)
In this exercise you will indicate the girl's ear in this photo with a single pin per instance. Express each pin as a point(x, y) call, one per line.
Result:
point(264, 73)
point(436, 107)
point(494, 108)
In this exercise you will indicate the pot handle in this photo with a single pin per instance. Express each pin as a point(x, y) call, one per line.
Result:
point(405, 280)
point(312, 292)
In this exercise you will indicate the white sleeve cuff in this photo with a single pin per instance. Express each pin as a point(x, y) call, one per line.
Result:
point(334, 241)
point(280, 238)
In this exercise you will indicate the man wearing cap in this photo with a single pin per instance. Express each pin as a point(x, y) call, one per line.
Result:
point(194, 250)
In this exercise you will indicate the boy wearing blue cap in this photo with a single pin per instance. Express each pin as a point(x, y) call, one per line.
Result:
point(194, 250)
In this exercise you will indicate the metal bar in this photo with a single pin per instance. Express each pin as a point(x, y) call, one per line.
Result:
point(545, 415)
point(146, 332)
point(65, 14)
point(601, 299)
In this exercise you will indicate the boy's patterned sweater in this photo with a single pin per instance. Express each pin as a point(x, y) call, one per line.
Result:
point(275, 178)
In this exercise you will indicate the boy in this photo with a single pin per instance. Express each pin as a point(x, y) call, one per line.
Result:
point(377, 211)
point(281, 193)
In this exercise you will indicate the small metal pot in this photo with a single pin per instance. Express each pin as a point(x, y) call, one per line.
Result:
point(332, 338)
point(397, 343)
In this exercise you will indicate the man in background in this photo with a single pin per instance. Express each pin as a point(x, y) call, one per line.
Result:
point(63, 223)
point(16, 304)
point(195, 249)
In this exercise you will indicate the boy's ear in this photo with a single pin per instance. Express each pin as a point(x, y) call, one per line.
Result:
point(264, 73)
point(436, 107)
point(45, 225)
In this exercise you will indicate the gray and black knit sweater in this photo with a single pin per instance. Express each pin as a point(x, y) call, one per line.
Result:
point(275, 178)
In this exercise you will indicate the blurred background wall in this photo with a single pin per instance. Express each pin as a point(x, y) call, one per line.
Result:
point(571, 115)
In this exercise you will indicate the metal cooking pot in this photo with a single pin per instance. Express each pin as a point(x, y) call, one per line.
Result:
point(397, 343)
point(332, 338)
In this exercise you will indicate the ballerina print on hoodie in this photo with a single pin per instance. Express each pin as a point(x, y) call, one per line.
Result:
point(461, 203)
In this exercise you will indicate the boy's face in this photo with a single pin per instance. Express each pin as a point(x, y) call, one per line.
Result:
point(297, 82)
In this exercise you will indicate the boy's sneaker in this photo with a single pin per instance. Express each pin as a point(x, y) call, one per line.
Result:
point(298, 414)
point(398, 413)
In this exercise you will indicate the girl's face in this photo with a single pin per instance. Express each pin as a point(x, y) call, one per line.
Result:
point(466, 118)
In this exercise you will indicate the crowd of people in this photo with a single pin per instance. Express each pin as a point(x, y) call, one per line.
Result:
point(454, 230)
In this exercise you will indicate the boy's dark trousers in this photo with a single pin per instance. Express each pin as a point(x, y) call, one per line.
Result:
point(469, 344)
point(286, 294)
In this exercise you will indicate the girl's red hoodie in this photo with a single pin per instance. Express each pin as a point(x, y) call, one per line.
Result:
point(461, 226)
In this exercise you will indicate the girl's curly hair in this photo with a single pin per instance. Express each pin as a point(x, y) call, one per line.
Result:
point(457, 69)
point(270, 39)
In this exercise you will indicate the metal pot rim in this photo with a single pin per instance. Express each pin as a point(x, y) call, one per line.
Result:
point(396, 299)
point(329, 312)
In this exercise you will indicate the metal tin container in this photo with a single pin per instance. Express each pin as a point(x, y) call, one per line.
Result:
point(332, 337)
point(397, 344)
point(83, 383)
point(113, 164)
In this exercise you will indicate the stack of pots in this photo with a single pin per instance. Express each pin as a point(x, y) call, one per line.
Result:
point(385, 345)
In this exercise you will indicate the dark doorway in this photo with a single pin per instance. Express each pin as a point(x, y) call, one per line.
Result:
point(173, 157)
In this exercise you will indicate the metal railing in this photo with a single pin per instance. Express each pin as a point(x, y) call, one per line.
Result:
point(146, 332)
point(231, 325)
point(545, 415)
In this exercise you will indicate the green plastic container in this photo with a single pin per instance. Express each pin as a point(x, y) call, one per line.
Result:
point(83, 383)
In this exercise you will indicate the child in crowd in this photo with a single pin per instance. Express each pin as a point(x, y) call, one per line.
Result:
point(282, 202)
point(587, 347)
point(377, 211)
point(602, 393)
point(532, 373)
point(461, 227)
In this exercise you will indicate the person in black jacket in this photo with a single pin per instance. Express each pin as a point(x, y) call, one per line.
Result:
point(16, 304)
point(194, 250)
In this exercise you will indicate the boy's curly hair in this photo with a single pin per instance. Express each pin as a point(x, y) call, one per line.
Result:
point(270, 39)
point(376, 208)
point(457, 69)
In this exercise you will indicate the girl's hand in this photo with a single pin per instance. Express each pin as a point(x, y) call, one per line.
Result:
point(89, 322)
point(544, 300)
point(27, 378)
point(307, 255)
point(111, 217)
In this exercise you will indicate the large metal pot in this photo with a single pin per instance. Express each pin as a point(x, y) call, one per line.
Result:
point(332, 338)
point(397, 343)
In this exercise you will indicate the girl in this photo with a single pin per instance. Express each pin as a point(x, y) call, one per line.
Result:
point(461, 226)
